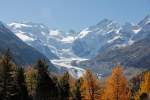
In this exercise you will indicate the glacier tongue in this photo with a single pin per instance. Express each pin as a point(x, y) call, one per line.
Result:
point(65, 63)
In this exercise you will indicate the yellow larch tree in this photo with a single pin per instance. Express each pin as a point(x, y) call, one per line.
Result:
point(145, 84)
point(144, 87)
point(90, 87)
point(31, 75)
point(117, 86)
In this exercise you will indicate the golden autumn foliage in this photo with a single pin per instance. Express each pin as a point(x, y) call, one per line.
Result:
point(144, 87)
point(37, 83)
point(117, 86)
point(145, 84)
point(31, 80)
point(90, 88)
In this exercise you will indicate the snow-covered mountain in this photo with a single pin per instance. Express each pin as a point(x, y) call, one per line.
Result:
point(144, 29)
point(34, 35)
point(22, 53)
point(52, 43)
point(107, 34)
point(57, 44)
point(133, 56)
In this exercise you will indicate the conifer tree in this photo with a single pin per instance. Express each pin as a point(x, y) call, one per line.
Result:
point(144, 90)
point(117, 86)
point(56, 87)
point(45, 88)
point(65, 87)
point(91, 89)
point(31, 80)
point(77, 91)
point(22, 87)
point(145, 84)
point(8, 82)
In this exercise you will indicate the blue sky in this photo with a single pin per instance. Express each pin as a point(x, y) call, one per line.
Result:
point(73, 14)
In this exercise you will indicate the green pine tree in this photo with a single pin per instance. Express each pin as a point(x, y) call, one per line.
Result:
point(77, 90)
point(8, 82)
point(65, 87)
point(56, 88)
point(23, 93)
point(45, 89)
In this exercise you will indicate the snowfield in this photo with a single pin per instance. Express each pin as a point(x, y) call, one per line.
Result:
point(74, 71)
point(24, 37)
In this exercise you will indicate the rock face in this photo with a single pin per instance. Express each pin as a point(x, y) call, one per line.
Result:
point(55, 44)
point(109, 35)
point(135, 55)
point(34, 35)
point(91, 39)
point(21, 52)
point(52, 43)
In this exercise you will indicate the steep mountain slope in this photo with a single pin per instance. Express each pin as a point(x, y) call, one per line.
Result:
point(21, 52)
point(34, 35)
point(135, 55)
point(52, 43)
point(144, 29)
point(105, 35)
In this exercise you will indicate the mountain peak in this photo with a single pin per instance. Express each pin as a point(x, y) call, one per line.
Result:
point(145, 21)
point(3, 26)
point(26, 24)
point(147, 17)
point(1, 22)
point(105, 22)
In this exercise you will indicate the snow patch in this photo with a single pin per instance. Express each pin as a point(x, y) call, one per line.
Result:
point(24, 37)
point(43, 33)
point(113, 39)
point(83, 33)
point(136, 30)
point(121, 45)
point(68, 39)
point(54, 32)
point(130, 42)
point(19, 25)
point(147, 22)
point(108, 32)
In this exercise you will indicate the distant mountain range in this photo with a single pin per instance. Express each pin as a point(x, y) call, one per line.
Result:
point(52, 43)
point(104, 44)
point(131, 49)
point(22, 53)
